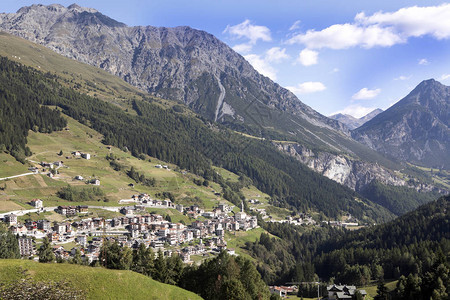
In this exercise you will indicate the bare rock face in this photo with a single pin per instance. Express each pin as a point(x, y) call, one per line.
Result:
point(354, 174)
point(174, 63)
point(416, 129)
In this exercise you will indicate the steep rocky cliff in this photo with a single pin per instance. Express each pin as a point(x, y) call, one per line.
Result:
point(352, 173)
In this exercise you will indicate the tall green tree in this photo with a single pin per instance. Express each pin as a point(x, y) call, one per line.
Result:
point(77, 259)
point(160, 268)
point(9, 246)
point(225, 277)
point(46, 254)
point(143, 260)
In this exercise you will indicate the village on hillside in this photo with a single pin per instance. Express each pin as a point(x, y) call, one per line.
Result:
point(135, 227)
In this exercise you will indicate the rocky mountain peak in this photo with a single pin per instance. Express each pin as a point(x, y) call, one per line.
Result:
point(415, 129)
point(76, 8)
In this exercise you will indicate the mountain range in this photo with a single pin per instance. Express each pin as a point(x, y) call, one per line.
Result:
point(189, 66)
point(194, 68)
point(352, 122)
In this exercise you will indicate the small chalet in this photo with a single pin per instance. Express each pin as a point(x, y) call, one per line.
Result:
point(37, 203)
point(11, 219)
point(82, 208)
point(94, 181)
point(339, 292)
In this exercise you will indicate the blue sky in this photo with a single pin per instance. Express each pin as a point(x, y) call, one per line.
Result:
point(348, 56)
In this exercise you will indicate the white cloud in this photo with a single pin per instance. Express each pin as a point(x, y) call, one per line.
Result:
point(445, 76)
point(295, 26)
point(381, 29)
point(335, 70)
point(414, 21)
point(276, 54)
point(343, 36)
point(423, 62)
point(261, 65)
point(249, 31)
point(308, 57)
point(307, 87)
point(243, 48)
point(403, 77)
point(356, 111)
point(365, 93)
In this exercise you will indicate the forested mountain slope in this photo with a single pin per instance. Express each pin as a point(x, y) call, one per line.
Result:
point(413, 249)
point(196, 144)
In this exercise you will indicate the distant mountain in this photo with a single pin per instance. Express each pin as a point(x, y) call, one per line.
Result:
point(352, 122)
point(370, 115)
point(415, 129)
point(181, 63)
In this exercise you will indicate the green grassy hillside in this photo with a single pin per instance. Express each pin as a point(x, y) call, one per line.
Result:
point(97, 283)
point(46, 147)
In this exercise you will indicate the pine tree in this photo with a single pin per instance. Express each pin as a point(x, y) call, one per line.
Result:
point(126, 258)
point(46, 252)
point(439, 293)
point(160, 272)
point(9, 246)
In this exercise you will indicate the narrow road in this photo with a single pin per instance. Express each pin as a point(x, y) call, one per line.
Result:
point(20, 175)
point(25, 211)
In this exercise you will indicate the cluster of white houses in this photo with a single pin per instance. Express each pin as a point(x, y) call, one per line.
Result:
point(136, 226)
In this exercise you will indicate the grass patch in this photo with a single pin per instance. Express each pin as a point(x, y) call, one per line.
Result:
point(175, 215)
point(238, 239)
point(372, 289)
point(97, 283)
point(10, 166)
point(7, 205)
point(35, 216)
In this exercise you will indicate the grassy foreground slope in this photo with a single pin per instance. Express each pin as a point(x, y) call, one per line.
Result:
point(97, 283)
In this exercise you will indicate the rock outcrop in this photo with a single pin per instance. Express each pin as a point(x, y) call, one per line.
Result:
point(352, 173)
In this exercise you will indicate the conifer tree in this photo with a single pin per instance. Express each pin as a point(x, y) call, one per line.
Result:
point(46, 252)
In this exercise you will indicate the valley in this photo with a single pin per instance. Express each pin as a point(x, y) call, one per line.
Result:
point(162, 151)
